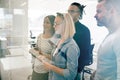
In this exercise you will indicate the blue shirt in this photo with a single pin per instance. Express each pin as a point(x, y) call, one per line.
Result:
point(67, 59)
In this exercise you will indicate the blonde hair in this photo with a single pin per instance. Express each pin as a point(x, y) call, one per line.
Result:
point(69, 28)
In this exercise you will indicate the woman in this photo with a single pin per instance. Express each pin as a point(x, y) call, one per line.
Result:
point(65, 57)
point(43, 48)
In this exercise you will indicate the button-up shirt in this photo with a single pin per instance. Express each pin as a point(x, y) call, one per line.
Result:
point(67, 59)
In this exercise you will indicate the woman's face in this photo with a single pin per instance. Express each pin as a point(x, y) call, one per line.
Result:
point(58, 25)
point(47, 25)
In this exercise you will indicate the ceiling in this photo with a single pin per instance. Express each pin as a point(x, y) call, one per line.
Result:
point(54, 5)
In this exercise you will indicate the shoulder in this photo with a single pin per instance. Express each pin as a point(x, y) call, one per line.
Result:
point(72, 47)
point(116, 41)
point(40, 35)
point(116, 37)
point(71, 44)
point(82, 27)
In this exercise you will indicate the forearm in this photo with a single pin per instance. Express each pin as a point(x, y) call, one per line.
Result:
point(53, 68)
point(33, 51)
point(47, 55)
point(118, 66)
point(57, 70)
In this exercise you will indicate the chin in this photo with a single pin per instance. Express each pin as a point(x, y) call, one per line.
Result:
point(99, 24)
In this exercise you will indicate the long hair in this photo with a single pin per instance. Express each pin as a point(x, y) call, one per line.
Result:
point(69, 28)
point(51, 18)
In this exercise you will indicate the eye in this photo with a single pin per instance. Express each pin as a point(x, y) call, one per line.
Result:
point(99, 11)
point(55, 23)
point(73, 11)
point(48, 22)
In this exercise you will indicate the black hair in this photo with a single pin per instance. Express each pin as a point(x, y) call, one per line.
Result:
point(80, 7)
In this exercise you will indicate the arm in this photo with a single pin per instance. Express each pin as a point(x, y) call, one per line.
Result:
point(83, 41)
point(48, 56)
point(118, 64)
point(35, 51)
point(116, 48)
point(53, 68)
point(72, 64)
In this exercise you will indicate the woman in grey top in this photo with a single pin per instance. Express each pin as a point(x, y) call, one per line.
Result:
point(43, 48)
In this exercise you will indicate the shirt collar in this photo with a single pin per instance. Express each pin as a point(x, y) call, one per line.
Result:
point(66, 41)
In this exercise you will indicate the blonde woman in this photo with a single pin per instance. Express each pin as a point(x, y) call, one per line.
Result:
point(43, 48)
point(65, 57)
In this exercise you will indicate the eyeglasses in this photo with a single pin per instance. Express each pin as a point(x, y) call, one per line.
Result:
point(73, 11)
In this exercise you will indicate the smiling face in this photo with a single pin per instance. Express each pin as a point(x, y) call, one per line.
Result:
point(47, 25)
point(103, 15)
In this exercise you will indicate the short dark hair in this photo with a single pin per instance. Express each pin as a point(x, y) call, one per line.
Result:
point(100, 0)
point(112, 3)
point(80, 7)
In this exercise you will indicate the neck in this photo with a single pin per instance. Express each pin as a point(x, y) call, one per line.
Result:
point(48, 34)
point(75, 21)
point(115, 25)
point(61, 42)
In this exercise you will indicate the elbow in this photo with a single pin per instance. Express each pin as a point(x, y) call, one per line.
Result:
point(69, 75)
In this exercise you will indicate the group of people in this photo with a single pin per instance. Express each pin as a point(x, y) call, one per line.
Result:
point(65, 59)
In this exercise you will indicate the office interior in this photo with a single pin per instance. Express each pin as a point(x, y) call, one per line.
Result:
point(21, 21)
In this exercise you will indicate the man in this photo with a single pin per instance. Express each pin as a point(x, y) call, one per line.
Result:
point(108, 65)
point(82, 35)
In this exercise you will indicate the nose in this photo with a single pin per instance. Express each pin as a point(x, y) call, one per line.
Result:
point(44, 24)
point(95, 16)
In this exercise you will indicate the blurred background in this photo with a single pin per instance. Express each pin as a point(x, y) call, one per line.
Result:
point(20, 18)
point(21, 21)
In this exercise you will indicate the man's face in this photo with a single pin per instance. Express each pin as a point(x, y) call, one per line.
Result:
point(102, 14)
point(74, 12)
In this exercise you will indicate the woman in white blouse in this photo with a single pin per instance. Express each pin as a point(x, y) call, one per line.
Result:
point(43, 48)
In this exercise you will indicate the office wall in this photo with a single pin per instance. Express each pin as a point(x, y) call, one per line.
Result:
point(15, 26)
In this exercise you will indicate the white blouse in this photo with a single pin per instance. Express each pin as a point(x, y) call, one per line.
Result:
point(44, 46)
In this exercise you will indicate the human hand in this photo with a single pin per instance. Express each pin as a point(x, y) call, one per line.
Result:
point(93, 75)
point(33, 51)
point(47, 65)
point(41, 58)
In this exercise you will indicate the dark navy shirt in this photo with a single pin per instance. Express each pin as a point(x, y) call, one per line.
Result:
point(82, 38)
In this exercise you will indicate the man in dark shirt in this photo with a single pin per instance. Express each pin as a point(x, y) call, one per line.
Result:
point(82, 35)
